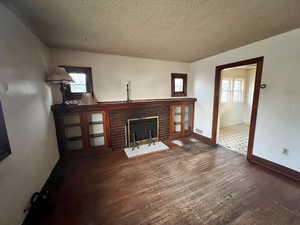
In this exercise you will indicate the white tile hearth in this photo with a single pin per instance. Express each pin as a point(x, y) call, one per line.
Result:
point(145, 149)
point(194, 140)
point(177, 142)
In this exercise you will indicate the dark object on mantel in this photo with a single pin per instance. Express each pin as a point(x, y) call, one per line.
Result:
point(114, 105)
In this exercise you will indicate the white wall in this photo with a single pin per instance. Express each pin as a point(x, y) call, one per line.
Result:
point(26, 101)
point(278, 122)
point(149, 78)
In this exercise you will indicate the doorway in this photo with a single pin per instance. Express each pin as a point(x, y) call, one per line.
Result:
point(237, 88)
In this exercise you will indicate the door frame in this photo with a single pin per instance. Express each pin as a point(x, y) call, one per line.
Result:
point(259, 67)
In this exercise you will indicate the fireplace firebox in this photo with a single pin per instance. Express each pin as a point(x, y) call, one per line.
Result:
point(142, 130)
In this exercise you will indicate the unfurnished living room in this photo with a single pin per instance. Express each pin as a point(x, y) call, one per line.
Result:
point(149, 112)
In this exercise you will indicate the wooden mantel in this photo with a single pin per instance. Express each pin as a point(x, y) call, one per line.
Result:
point(115, 105)
point(114, 118)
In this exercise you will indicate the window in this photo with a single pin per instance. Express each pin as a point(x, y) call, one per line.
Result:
point(232, 90)
point(226, 91)
point(82, 77)
point(79, 85)
point(178, 84)
point(238, 90)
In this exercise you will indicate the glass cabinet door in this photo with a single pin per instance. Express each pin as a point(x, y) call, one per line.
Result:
point(182, 118)
point(187, 121)
point(72, 132)
point(177, 111)
point(96, 129)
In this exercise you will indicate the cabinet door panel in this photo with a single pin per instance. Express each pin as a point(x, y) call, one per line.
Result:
point(181, 119)
point(96, 129)
point(73, 119)
point(74, 145)
point(177, 128)
point(188, 117)
point(186, 126)
point(72, 132)
point(96, 117)
point(177, 119)
point(97, 141)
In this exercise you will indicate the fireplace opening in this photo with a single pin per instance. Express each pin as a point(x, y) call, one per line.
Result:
point(142, 130)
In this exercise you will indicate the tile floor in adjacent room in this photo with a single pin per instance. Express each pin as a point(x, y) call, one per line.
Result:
point(235, 138)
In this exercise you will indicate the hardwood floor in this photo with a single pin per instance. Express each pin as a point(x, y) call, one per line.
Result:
point(193, 184)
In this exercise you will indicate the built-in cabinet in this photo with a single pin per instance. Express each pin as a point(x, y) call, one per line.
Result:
point(96, 129)
point(86, 129)
point(82, 132)
point(72, 131)
point(181, 119)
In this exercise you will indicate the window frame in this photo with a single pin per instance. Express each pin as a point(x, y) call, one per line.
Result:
point(89, 81)
point(241, 92)
point(232, 90)
point(228, 92)
point(181, 76)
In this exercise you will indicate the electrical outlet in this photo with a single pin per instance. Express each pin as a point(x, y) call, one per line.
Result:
point(285, 151)
point(199, 131)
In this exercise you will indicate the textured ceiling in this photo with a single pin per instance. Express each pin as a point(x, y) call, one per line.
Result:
point(179, 30)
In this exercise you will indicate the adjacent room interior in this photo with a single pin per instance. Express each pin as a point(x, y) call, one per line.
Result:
point(146, 112)
point(237, 89)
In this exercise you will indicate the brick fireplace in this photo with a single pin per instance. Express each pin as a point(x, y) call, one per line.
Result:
point(119, 122)
point(142, 130)
point(108, 131)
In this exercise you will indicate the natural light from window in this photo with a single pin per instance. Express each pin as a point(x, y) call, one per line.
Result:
point(178, 84)
point(79, 85)
point(232, 90)
point(226, 90)
point(238, 90)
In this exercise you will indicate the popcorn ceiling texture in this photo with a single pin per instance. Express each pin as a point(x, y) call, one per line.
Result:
point(176, 30)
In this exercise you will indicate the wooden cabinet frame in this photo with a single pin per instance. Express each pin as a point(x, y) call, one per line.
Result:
point(172, 120)
point(183, 131)
point(85, 133)
point(107, 109)
point(106, 129)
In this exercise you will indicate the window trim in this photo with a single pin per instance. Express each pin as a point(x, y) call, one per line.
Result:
point(89, 81)
point(182, 76)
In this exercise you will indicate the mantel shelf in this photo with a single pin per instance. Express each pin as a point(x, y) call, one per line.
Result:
point(107, 131)
point(116, 105)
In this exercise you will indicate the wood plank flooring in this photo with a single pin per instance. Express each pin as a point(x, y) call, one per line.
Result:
point(193, 184)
